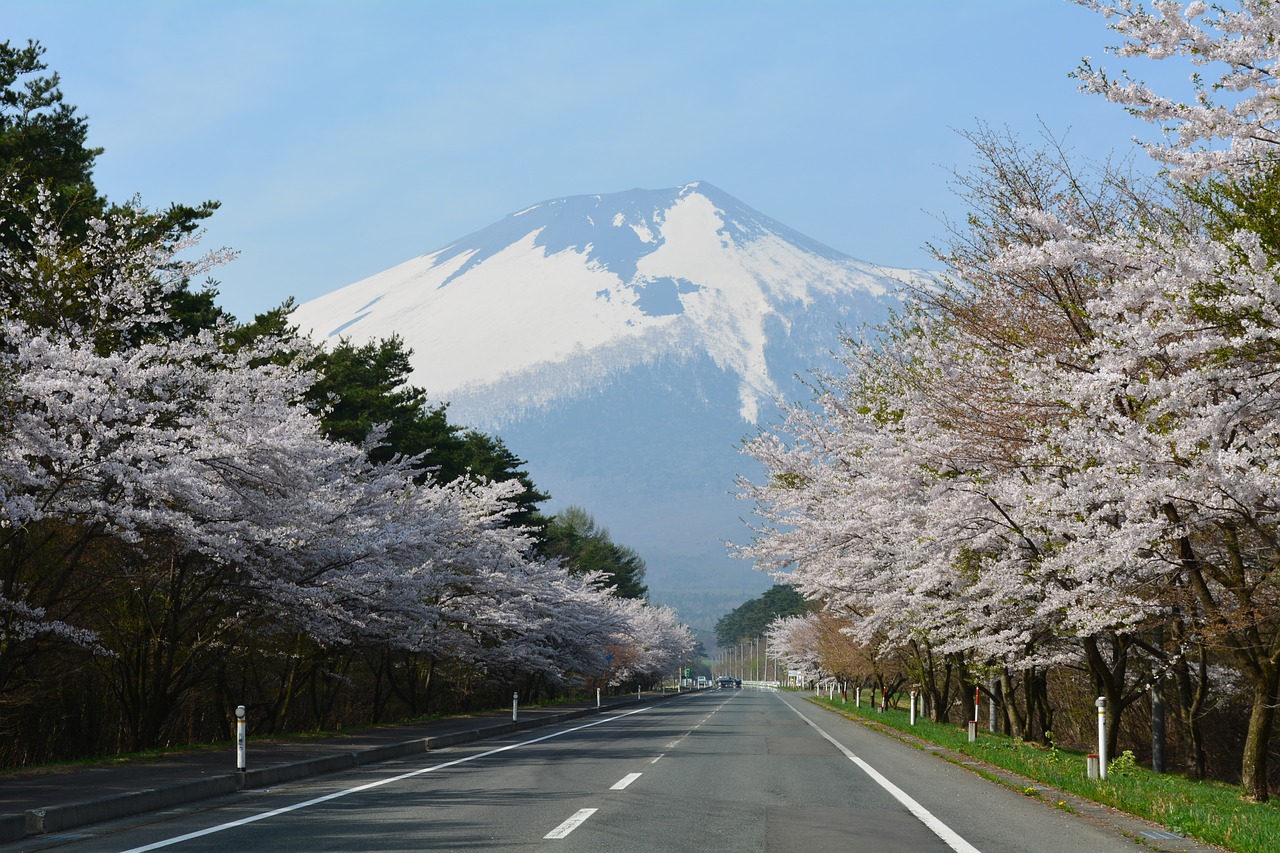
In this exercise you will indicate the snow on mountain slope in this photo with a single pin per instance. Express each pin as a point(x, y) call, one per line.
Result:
point(575, 290)
point(624, 344)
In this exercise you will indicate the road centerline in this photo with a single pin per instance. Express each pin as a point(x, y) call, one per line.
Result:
point(578, 819)
point(368, 786)
point(624, 781)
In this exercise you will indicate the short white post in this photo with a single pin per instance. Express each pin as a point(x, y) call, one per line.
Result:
point(913, 707)
point(597, 697)
point(857, 697)
point(515, 704)
point(1102, 736)
point(241, 756)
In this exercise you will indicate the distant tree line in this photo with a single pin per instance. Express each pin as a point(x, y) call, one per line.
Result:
point(754, 617)
point(197, 512)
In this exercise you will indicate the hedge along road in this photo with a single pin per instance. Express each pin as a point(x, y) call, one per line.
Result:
point(719, 770)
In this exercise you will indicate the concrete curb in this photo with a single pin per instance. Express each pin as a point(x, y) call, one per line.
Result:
point(15, 827)
point(59, 818)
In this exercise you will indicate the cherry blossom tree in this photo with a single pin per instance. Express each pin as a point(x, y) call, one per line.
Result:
point(169, 501)
point(794, 641)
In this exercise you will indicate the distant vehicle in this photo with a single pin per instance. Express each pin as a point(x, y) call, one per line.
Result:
point(728, 681)
point(702, 681)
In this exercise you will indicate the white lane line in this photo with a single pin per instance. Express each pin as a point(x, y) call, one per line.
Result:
point(624, 781)
point(655, 761)
point(948, 835)
point(370, 785)
point(578, 819)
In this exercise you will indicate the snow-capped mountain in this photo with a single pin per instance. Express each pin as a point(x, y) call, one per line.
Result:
point(623, 344)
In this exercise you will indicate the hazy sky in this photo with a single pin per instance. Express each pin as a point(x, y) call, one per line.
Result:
point(345, 137)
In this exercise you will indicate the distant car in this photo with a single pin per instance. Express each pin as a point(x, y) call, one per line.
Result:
point(702, 681)
point(728, 681)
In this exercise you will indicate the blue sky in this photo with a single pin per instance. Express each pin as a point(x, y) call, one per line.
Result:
point(343, 138)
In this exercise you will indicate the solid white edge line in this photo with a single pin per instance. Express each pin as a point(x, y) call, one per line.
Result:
point(624, 781)
point(578, 819)
point(370, 785)
point(948, 835)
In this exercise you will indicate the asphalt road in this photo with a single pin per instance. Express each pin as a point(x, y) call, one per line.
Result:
point(733, 770)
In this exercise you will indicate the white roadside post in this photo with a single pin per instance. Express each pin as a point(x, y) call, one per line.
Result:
point(241, 762)
point(913, 707)
point(515, 703)
point(857, 697)
point(597, 697)
point(1102, 737)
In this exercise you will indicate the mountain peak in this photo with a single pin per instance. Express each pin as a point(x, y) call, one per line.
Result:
point(587, 286)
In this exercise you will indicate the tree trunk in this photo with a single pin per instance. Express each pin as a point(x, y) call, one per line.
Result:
point(1253, 770)
point(1015, 721)
point(1191, 698)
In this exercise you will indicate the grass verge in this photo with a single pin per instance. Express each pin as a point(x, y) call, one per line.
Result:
point(1209, 811)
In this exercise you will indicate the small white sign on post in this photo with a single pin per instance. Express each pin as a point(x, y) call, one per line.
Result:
point(241, 750)
point(1101, 702)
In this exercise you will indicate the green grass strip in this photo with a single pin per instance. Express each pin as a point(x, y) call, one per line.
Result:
point(1212, 812)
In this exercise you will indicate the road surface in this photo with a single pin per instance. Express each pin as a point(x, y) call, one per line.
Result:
point(733, 770)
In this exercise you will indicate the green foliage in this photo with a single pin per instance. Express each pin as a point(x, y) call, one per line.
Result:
point(42, 140)
point(573, 536)
point(752, 618)
point(1250, 204)
point(366, 387)
point(43, 147)
point(1123, 765)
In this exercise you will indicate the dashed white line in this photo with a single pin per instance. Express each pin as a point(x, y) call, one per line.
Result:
point(624, 781)
point(377, 784)
point(578, 819)
point(655, 761)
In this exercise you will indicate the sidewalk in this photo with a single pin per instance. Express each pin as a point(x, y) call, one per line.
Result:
point(35, 803)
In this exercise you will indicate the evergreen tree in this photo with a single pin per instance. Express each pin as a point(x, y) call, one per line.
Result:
point(752, 618)
point(44, 150)
point(42, 140)
point(573, 536)
point(362, 388)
